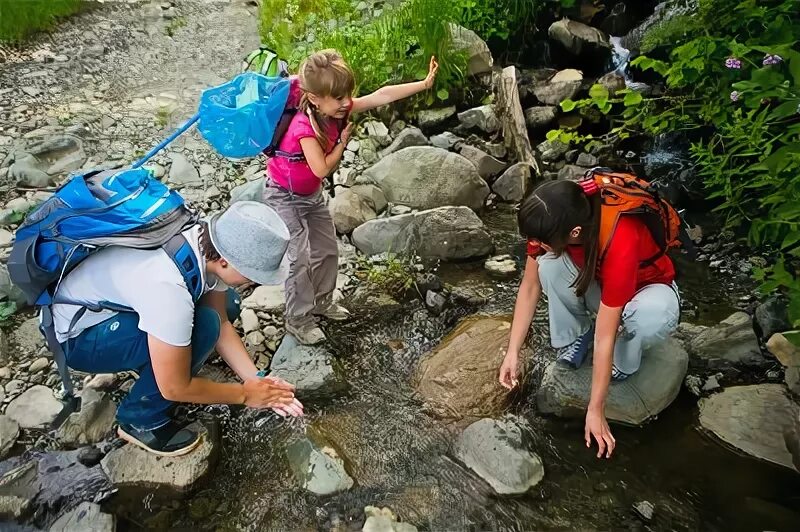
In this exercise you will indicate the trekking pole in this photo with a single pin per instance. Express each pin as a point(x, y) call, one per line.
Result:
point(163, 144)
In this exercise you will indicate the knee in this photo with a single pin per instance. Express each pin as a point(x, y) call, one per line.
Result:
point(233, 305)
point(652, 317)
point(207, 327)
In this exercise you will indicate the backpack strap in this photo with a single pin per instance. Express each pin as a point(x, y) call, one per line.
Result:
point(180, 251)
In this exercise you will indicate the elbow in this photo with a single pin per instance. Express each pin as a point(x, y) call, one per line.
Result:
point(173, 392)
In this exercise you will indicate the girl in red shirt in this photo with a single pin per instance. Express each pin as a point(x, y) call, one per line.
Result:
point(633, 297)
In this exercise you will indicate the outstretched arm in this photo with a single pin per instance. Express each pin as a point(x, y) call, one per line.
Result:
point(607, 325)
point(392, 93)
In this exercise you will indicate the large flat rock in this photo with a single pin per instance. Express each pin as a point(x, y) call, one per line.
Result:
point(732, 342)
point(753, 419)
point(312, 369)
point(565, 392)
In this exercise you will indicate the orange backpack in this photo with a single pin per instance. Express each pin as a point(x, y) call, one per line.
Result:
point(625, 194)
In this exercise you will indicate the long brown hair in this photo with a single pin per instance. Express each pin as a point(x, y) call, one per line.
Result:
point(552, 211)
point(324, 73)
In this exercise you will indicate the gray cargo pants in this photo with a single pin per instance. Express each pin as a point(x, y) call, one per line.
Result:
point(313, 251)
point(648, 318)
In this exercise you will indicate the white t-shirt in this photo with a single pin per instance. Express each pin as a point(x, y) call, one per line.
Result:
point(145, 280)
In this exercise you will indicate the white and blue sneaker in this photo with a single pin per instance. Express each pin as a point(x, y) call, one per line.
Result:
point(617, 375)
point(575, 353)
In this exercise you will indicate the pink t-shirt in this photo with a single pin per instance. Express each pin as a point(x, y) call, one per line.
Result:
point(297, 175)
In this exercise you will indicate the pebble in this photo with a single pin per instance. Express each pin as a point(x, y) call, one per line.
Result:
point(645, 510)
point(249, 320)
point(14, 386)
point(40, 364)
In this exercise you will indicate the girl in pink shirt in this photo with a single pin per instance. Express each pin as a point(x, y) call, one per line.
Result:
point(309, 151)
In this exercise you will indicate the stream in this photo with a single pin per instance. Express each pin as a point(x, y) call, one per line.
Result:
point(400, 455)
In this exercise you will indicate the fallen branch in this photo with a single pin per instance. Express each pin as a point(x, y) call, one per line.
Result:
point(509, 109)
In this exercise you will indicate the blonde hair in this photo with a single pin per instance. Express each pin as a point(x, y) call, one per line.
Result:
point(324, 73)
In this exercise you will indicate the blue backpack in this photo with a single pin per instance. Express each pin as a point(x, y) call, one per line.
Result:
point(121, 207)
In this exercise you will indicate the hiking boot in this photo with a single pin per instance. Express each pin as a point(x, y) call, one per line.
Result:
point(307, 334)
point(332, 311)
point(171, 439)
point(575, 353)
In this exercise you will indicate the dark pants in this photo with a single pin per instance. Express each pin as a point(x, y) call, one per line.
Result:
point(117, 344)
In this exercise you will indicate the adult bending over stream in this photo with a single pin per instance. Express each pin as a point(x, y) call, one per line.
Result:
point(621, 275)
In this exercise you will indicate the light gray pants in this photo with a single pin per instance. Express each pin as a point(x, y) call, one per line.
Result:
point(648, 318)
point(313, 251)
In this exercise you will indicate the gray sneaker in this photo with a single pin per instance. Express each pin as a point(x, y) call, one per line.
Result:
point(332, 311)
point(307, 334)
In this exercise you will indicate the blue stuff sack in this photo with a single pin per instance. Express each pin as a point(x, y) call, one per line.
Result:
point(239, 118)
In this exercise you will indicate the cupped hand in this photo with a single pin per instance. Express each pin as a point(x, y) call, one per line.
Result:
point(433, 68)
point(509, 370)
point(597, 428)
point(267, 393)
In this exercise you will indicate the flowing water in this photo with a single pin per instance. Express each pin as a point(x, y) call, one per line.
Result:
point(401, 456)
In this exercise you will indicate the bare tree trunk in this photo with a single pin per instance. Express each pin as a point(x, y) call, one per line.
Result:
point(509, 110)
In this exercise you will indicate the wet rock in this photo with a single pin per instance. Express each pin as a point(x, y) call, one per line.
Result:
point(513, 184)
point(384, 520)
point(578, 38)
point(479, 57)
point(772, 317)
point(541, 116)
point(645, 510)
point(483, 118)
point(425, 177)
point(90, 456)
point(410, 136)
point(349, 210)
point(250, 191)
point(9, 430)
point(182, 172)
point(312, 369)
point(752, 419)
point(446, 140)
point(503, 266)
point(444, 233)
point(435, 302)
point(34, 408)
point(378, 132)
point(317, 467)
point(431, 118)
point(613, 82)
point(565, 392)
point(495, 451)
point(372, 195)
point(459, 378)
point(487, 166)
point(266, 298)
point(86, 517)
point(732, 342)
point(41, 482)
point(428, 281)
point(562, 86)
point(376, 302)
point(92, 423)
point(130, 465)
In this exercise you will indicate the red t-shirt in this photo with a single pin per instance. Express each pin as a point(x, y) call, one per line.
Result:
point(620, 273)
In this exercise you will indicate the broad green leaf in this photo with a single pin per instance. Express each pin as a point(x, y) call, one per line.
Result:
point(552, 135)
point(568, 105)
point(443, 94)
point(598, 92)
point(632, 98)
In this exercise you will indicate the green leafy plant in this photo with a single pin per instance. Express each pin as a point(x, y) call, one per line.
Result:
point(394, 275)
point(7, 309)
point(163, 116)
point(20, 18)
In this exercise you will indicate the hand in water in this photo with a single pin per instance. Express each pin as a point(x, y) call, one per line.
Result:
point(268, 393)
point(433, 68)
point(597, 428)
point(509, 370)
point(293, 409)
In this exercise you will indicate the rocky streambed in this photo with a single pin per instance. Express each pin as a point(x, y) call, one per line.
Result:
point(406, 426)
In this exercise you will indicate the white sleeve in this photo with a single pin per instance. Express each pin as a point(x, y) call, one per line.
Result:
point(166, 311)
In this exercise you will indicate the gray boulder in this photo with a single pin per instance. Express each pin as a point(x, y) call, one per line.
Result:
point(445, 233)
point(541, 116)
point(37, 164)
point(9, 430)
point(35, 408)
point(317, 467)
point(410, 136)
point(250, 191)
point(572, 172)
point(732, 342)
point(86, 517)
point(425, 177)
point(495, 451)
point(478, 54)
point(487, 166)
point(565, 392)
point(312, 369)
point(130, 465)
point(562, 86)
point(182, 172)
point(578, 38)
point(349, 210)
point(752, 419)
point(431, 118)
point(446, 140)
point(373, 196)
point(552, 150)
point(378, 132)
point(92, 423)
point(483, 118)
point(513, 184)
point(266, 298)
point(26, 172)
